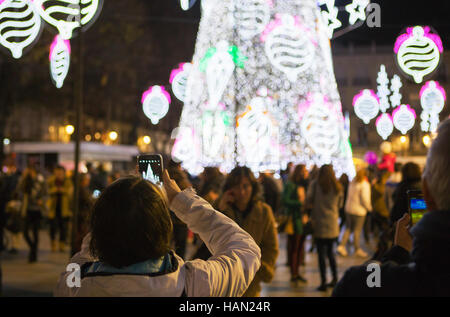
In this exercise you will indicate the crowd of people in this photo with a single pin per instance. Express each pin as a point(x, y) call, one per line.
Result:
point(136, 234)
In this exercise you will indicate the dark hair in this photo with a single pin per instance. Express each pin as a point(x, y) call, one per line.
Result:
point(411, 172)
point(130, 223)
point(298, 175)
point(212, 181)
point(235, 177)
point(60, 167)
point(327, 180)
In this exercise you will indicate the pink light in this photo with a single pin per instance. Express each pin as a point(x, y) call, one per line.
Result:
point(279, 21)
point(176, 71)
point(409, 33)
point(150, 90)
point(383, 115)
point(408, 107)
point(438, 87)
point(55, 42)
point(361, 93)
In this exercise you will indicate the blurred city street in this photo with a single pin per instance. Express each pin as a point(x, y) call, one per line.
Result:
point(39, 279)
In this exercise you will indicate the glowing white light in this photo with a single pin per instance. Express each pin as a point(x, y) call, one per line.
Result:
point(155, 103)
point(6, 141)
point(396, 98)
point(366, 105)
point(178, 79)
point(59, 60)
point(187, 4)
point(418, 52)
point(185, 148)
point(20, 25)
point(404, 118)
point(357, 10)
point(288, 46)
point(330, 17)
point(383, 89)
point(252, 17)
point(218, 72)
point(68, 15)
point(150, 176)
point(320, 126)
point(384, 125)
point(432, 100)
point(213, 132)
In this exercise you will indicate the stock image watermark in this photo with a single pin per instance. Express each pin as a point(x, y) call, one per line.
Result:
point(74, 278)
point(374, 278)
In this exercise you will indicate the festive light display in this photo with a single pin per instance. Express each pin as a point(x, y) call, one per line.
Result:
point(155, 103)
point(59, 60)
point(219, 63)
point(384, 125)
point(296, 118)
point(418, 52)
point(396, 98)
point(68, 15)
point(357, 10)
point(432, 100)
point(252, 17)
point(287, 45)
point(383, 89)
point(404, 118)
point(178, 79)
point(366, 105)
point(20, 25)
point(329, 17)
point(187, 4)
point(371, 158)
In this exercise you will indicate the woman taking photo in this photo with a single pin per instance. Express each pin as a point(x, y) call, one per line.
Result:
point(128, 251)
point(325, 196)
point(241, 201)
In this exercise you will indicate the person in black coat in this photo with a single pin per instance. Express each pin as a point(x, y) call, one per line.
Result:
point(419, 262)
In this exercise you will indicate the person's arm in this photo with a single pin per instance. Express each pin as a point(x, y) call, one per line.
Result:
point(235, 256)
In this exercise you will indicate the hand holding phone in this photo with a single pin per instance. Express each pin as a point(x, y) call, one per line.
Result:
point(170, 186)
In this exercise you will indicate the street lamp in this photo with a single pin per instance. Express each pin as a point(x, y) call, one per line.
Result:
point(113, 135)
point(147, 140)
point(426, 140)
point(88, 137)
point(403, 139)
point(69, 129)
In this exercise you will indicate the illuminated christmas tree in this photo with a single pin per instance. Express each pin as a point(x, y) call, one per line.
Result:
point(261, 91)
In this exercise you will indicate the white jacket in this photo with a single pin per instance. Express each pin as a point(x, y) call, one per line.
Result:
point(358, 199)
point(235, 260)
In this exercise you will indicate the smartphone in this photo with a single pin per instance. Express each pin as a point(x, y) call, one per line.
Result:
point(96, 193)
point(417, 205)
point(151, 167)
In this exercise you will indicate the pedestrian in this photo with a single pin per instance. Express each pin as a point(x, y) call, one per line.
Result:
point(128, 251)
point(242, 202)
point(59, 203)
point(417, 264)
point(270, 191)
point(86, 201)
point(33, 190)
point(357, 206)
point(293, 200)
point(391, 184)
point(344, 181)
point(8, 184)
point(411, 180)
point(211, 181)
point(325, 196)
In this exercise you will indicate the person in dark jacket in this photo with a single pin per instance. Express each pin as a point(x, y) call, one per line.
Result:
point(271, 194)
point(418, 263)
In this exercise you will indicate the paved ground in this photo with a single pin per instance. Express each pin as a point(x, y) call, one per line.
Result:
point(39, 279)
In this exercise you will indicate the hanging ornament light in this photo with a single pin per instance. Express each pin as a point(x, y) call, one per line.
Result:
point(155, 103)
point(59, 60)
point(432, 100)
point(68, 15)
point(288, 45)
point(366, 105)
point(404, 118)
point(178, 79)
point(20, 25)
point(252, 17)
point(384, 125)
point(418, 52)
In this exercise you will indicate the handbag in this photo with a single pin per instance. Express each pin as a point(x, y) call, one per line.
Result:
point(289, 228)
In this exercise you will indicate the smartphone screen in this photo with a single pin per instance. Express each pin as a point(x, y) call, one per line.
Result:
point(151, 168)
point(417, 206)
